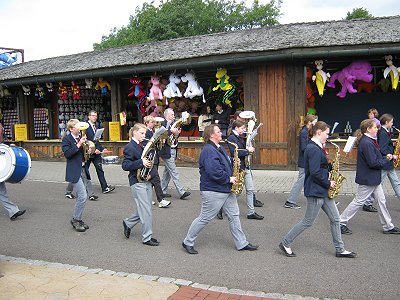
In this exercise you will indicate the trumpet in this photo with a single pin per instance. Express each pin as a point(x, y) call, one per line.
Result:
point(88, 146)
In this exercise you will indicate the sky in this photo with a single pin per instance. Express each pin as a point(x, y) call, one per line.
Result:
point(48, 28)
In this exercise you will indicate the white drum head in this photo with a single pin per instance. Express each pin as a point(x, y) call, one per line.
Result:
point(159, 119)
point(247, 114)
point(7, 162)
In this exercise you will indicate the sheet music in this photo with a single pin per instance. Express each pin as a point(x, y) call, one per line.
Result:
point(349, 144)
point(98, 134)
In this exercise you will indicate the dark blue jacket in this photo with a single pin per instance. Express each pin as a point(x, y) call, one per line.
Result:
point(74, 156)
point(165, 151)
point(90, 136)
point(132, 161)
point(303, 141)
point(242, 151)
point(370, 162)
point(316, 183)
point(386, 144)
point(215, 169)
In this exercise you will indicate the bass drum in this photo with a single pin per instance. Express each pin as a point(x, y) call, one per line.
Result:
point(15, 163)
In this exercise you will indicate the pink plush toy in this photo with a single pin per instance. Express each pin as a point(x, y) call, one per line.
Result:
point(358, 70)
point(155, 91)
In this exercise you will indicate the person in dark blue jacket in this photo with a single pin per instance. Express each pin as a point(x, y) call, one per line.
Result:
point(141, 191)
point(215, 189)
point(291, 202)
point(386, 147)
point(316, 186)
point(370, 162)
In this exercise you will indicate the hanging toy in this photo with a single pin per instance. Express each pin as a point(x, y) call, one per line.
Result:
point(224, 85)
point(39, 92)
point(392, 71)
point(49, 87)
point(310, 89)
point(320, 78)
point(26, 89)
point(155, 92)
point(103, 86)
point(136, 88)
point(89, 83)
point(76, 91)
point(62, 91)
point(172, 90)
point(193, 89)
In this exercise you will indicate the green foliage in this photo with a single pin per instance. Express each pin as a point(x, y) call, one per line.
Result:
point(359, 13)
point(183, 18)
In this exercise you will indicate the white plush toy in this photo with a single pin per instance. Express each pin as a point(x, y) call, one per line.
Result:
point(193, 89)
point(26, 89)
point(49, 86)
point(89, 83)
point(172, 90)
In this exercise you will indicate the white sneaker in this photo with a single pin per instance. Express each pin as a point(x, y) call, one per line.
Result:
point(152, 202)
point(164, 203)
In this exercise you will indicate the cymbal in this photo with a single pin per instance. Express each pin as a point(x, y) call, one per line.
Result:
point(247, 114)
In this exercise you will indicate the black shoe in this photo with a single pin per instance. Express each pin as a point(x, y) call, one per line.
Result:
point(69, 195)
point(369, 208)
point(108, 189)
point(255, 216)
point(258, 203)
point(219, 215)
point(86, 226)
point(291, 205)
point(285, 251)
point(348, 255)
point(93, 198)
point(17, 214)
point(345, 230)
point(151, 243)
point(249, 247)
point(78, 226)
point(189, 249)
point(394, 230)
point(167, 196)
point(185, 195)
point(127, 230)
point(154, 240)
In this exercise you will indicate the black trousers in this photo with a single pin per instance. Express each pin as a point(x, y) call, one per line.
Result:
point(97, 162)
point(156, 182)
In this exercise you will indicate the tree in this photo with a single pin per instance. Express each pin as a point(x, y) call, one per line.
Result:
point(183, 18)
point(359, 13)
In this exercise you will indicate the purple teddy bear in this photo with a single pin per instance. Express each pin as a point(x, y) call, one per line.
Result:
point(358, 70)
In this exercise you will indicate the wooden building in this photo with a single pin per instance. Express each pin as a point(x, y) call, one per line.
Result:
point(272, 62)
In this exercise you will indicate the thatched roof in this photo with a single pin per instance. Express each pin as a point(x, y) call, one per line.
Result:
point(290, 39)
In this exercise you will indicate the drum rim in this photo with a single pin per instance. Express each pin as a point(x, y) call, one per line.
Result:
point(13, 161)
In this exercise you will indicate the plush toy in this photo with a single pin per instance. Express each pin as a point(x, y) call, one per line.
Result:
point(26, 89)
point(89, 83)
point(392, 71)
point(224, 85)
point(310, 98)
point(103, 86)
point(363, 86)
point(39, 92)
point(193, 89)
point(155, 92)
point(356, 70)
point(62, 91)
point(49, 86)
point(320, 78)
point(172, 90)
point(76, 91)
point(136, 88)
point(157, 111)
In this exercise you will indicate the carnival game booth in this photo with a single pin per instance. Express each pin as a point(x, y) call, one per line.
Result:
point(336, 70)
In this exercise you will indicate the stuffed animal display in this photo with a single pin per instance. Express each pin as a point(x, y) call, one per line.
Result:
point(26, 89)
point(172, 90)
point(76, 91)
point(103, 86)
point(155, 92)
point(320, 78)
point(224, 84)
point(358, 70)
point(39, 92)
point(62, 91)
point(310, 98)
point(89, 83)
point(49, 86)
point(392, 71)
point(193, 89)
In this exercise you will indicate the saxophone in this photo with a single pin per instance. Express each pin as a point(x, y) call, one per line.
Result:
point(334, 174)
point(237, 187)
point(397, 150)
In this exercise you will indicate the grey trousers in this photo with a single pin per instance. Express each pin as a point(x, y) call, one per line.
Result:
point(394, 181)
point(81, 196)
point(170, 172)
point(211, 204)
point(89, 188)
point(142, 195)
point(363, 192)
point(297, 187)
point(249, 185)
point(9, 206)
point(313, 208)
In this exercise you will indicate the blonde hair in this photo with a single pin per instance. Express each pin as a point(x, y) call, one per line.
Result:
point(135, 128)
point(147, 119)
point(71, 123)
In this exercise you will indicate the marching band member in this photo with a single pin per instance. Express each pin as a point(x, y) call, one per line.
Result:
point(215, 190)
point(77, 172)
point(168, 154)
point(141, 191)
point(149, 121)
point(291, 202)
point(316, 186)
point(238, 128)
point(10, 207)
point(370, 162)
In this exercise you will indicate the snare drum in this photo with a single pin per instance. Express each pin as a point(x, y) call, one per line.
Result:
point(15, 163)
point(110, 159)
